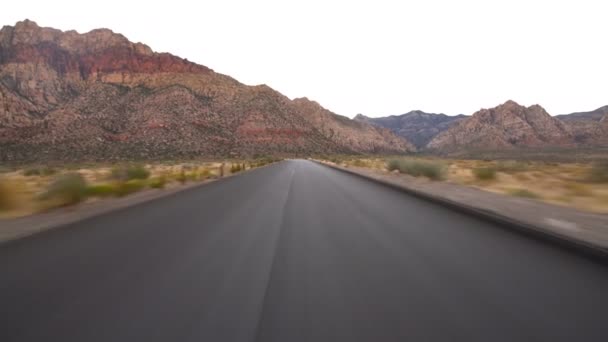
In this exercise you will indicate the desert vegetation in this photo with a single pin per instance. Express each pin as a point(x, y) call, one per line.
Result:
point(28, 189)
point(433, 170)
point(582, 185)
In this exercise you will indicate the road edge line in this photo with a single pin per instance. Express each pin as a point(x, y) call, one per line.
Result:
point(583, 247)
point(164, 193)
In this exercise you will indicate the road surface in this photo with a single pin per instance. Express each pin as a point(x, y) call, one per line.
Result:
point(296, 252)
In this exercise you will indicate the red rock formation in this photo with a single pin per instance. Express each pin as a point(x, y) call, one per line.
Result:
point(504, 127)
point(65, 95)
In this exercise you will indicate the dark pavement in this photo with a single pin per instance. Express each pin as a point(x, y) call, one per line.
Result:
point(296, 252)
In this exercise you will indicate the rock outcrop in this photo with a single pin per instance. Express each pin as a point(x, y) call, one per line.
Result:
point(98, 96)
point(507, 126)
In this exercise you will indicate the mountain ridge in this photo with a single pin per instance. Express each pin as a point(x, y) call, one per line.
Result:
point(96, 95)
point(416, 126)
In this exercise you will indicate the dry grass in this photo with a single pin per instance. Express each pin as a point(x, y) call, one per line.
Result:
point(27, 190)
point(577, 185)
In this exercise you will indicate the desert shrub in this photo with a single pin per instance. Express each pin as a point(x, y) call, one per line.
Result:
point(599, 172)
point(158, 182)
point(417, 168)
point(360, 163)
point(204, 173)
point(8, 195)
point(181, 177)
point(67, 189)
point(512, 166)
point(577, 189)
point(193, 176)
point(523, 193)
point(39, 171)
point(129, 187)
point(101, 190)
point(235, 168)
point(130, 172)
point(484, 173)
point(392, 165)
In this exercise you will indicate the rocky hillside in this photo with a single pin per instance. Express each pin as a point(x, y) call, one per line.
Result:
point(65, 95)
point(507, 126)
point(588, 128)
point(594, 115)
point(416, 126)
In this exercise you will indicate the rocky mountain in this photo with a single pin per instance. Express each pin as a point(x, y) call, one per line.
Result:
point(416, 126)
point(507, 126)
point(65, 95)
point(588, 128)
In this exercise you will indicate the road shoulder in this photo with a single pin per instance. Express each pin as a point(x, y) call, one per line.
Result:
point(583, 231)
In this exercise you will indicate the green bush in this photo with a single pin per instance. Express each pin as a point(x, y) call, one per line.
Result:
point(599, 172)
point(129, 187)
point(484, 173)
point(67, 189)
point(101, 190)
point(158, 182)
point(417, 168)
point(130, 172)
point(393, 164)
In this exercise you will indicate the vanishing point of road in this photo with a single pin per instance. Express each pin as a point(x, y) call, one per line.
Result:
point(296, 252)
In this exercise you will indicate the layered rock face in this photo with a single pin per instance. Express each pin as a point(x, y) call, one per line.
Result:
point(416, 126)
point(507, 126)
point(65, 95)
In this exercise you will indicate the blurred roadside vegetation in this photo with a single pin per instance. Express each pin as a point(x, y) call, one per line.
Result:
point(581, 185)
point(29, 189)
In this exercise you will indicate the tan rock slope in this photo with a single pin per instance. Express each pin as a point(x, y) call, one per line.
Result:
point(507, 126)
point(65, 95)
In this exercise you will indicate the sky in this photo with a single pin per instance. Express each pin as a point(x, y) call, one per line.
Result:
point(374, 57)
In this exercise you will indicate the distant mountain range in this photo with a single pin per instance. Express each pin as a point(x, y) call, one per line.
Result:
point(416, 126)
point(507, 126)
point(98, 96)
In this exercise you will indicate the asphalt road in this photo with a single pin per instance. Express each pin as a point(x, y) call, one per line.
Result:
point(296, 252)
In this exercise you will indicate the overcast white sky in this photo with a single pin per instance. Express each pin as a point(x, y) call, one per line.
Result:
point(375, 57)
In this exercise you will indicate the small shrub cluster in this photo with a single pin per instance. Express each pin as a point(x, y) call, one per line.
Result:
point(158, 182)
point(67, 189)
point(512, 166)
point(129, 187)
point(599, 172)
point(237, 168)
point(484, 173)
point(101, 190)
point(523, 193)
point(360, 163)
point(417, 168)
point(265, 161)
point(130, 172)
point(181, 177)
point(39, 171)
